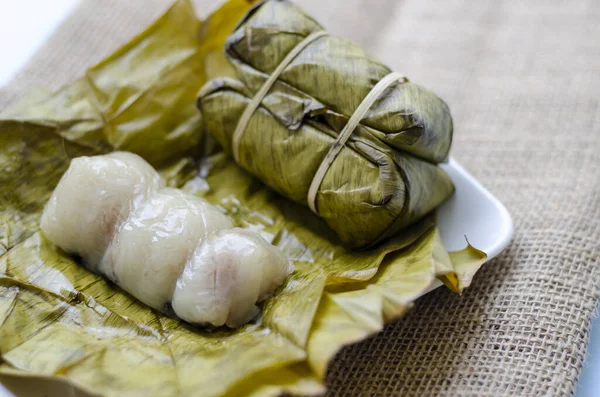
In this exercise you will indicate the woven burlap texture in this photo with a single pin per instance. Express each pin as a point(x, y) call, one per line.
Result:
point(522, 81)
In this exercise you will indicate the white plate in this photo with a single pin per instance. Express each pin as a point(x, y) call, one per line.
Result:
point(472, 212)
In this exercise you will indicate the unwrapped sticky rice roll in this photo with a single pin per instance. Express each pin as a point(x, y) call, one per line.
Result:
point(171, 250)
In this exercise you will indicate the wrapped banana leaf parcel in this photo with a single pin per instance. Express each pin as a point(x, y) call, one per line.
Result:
point(318, 120)
point(109, 332)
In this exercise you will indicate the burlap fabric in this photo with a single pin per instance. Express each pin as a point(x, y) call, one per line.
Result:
point(522, 81)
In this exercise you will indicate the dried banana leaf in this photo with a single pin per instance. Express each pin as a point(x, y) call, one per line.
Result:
point(130, 100)
point(57, 320)
point(384, 179)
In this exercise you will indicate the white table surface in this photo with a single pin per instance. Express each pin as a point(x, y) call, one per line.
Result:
point(23, 32)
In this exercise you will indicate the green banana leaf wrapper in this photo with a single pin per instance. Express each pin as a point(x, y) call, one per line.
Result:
point(384, 179)
point(59, 321)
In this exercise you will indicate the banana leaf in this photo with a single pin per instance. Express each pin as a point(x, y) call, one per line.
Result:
point(384, 179)
point(59, 321)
